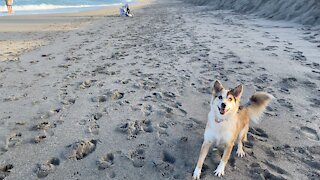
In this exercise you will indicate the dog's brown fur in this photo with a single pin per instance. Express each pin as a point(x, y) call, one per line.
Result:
point(234, 120)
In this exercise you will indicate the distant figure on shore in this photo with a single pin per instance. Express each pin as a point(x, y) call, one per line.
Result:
point(128, 10)
point(125, 11)
point(9, 6)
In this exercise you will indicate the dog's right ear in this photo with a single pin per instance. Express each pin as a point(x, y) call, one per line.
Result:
point(217, 87)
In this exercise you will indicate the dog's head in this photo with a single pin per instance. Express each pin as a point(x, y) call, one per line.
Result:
point(225, 102)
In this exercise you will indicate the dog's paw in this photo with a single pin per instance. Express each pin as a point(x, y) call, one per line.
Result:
point(241, 153)
point(196, 173)
point(220, 170)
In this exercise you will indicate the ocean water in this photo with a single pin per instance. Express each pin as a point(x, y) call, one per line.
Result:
point(57, 6)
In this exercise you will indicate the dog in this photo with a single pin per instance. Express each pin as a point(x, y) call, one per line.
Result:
point(228, 122)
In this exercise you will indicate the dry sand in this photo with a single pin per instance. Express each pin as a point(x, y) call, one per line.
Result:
point(127, 98)
point(20, 34)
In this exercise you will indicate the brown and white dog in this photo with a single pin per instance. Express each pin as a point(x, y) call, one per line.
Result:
point(227, 122)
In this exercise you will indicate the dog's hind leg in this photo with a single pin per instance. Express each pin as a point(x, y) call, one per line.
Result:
point(203, 153)
point(242, 137)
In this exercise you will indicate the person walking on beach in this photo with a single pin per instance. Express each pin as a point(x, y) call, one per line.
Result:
point(9, 5)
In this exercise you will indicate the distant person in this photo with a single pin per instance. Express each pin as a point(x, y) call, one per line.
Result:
point(125, 11)
point(9, 6)
point(128, 10)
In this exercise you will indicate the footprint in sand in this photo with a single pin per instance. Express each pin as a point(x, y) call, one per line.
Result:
point(112, 95)
point(257, 172)
point(105, 161)
point(80, 149)
point(313, 65)
point(309, 133)
point(298, 56)
point(290, 82)
point(262, 79)
point(93, 128)
point(38, 139)
point(168, 157)
point(115, 94)
point(11, 98)
point(138, 156)
point(5, 170)
point(315, 102)
point(270, 48)
point(42, 75)
point(146, 109)
point(99, 99)
point(286, 104)
point(74, 58)
point(103, 70)
point(132, 129)
point(314, 150)
point(259, 134)
point(284, 90)
point(65, 66)
point(68, 101)
point(123, 81)
point(43, 170)
point(96, 116)
point(276, 168)
point(166, 169)
point(309, 84)
point(13, 140)
point(42, 126)
point(86, 84)
point(48, 114)
point(34, 62)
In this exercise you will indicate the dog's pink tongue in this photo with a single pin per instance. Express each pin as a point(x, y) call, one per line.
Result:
point(222, 111)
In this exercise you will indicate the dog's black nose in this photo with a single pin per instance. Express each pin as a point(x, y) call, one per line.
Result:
point(223, 105)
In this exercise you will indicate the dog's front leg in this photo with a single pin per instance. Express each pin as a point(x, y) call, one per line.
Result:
point(203, 153)
point(226, 154)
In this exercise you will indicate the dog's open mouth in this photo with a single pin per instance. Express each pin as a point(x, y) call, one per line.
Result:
point(222, 110)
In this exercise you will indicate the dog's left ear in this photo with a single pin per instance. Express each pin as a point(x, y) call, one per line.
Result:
point(237, 91)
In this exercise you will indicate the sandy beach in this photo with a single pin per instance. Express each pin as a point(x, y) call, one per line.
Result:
point(22, 33)
point(98, 96)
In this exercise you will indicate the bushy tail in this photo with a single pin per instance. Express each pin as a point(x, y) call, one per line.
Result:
point(257, 105)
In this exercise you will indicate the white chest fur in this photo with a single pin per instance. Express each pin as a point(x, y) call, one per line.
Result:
point(218, 132)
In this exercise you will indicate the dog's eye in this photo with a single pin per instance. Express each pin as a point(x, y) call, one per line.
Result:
point(230, 99)
point(220, 97)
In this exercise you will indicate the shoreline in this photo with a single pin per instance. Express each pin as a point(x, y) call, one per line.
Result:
point(23, 33)
point(52, 9)
point(87, 11)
